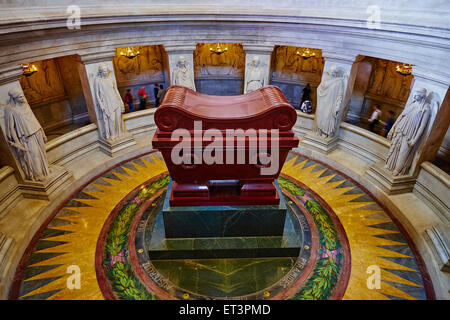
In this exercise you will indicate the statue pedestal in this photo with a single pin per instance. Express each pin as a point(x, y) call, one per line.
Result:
point(320, 144)
point(223, 221)
point(389, 183)
point(57, 181)
point(113, 146)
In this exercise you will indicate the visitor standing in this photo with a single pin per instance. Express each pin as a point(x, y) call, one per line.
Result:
point(306, 94)
point(155, 93)
point(142, 98)
point(374, 118)
point(129, 100)
point(160, 95)
point(389, 123)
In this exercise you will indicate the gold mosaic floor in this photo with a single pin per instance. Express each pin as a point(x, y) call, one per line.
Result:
point(71, 237)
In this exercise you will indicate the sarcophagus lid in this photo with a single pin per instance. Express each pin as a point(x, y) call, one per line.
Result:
point(266, 108)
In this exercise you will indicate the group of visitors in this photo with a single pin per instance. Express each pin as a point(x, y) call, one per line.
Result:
point(375, 120)
point(158, 92)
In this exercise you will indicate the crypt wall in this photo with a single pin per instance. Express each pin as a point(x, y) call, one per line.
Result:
point(422, 42)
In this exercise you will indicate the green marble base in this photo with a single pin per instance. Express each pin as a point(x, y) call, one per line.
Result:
point(227, 247)
point(224, 221)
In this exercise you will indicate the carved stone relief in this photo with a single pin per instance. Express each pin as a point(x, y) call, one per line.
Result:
point(147, 67)
point(386, 82)
point(45, 85)
point(287, 65)
point(230, 63)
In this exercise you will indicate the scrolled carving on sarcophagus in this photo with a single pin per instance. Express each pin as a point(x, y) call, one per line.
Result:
point(408, 131)
point(25, 137)
point(330, 95)
point(108, 103)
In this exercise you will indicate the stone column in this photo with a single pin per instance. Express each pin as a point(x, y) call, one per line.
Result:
point(427, 145)
point(257, 66)
point(342, 67)
point(37, 178)
point(89, 67)
point(181, 64)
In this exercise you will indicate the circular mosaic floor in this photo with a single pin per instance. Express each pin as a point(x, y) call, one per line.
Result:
point(112, 232)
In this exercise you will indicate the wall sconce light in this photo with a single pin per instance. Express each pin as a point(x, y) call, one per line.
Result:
point(28, 70)
point(306, 53)
point(218, 49)
point(404, 69)
point(130, 53)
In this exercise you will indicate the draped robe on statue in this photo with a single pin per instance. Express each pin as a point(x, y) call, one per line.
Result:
point(182, 76)
point(110, 105)
point(27, 138)
point(329, 99)
point(409, 127)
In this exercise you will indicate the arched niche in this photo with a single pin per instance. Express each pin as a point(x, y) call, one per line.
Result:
point(291, 72)
point(145, 70)
point(55, 95)
point(219, 73)
point(378, 82)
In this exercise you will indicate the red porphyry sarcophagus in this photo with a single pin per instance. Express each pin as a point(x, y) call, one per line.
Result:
point(254, 130)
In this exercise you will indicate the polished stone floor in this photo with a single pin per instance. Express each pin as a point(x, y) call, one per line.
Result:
point(110, 227)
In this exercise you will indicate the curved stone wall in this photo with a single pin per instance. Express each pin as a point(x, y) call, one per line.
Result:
point(79, 152)
point(419, 36)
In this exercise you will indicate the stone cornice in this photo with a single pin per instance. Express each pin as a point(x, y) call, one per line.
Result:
point(258, 48)
point(10, 74)
point(179, 48)
point(95, 57)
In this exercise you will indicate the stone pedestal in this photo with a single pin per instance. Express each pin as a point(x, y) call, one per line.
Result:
point(320, 144)
point(389, 183)
point(224, 221)
point(113, 146)
point(58, 179)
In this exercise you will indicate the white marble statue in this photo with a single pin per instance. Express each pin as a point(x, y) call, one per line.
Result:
point(407, 132)
point(255, 75)
point(330, 93)
point(109, 104)
point(182, 74)
point(26, 137)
